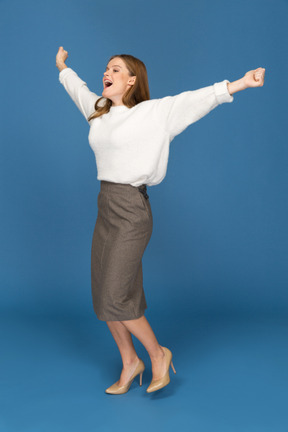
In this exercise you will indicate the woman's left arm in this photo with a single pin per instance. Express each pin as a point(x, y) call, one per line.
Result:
point(253, 78)
point(176, 113)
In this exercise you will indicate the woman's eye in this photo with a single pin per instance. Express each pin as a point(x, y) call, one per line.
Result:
point(115, 70)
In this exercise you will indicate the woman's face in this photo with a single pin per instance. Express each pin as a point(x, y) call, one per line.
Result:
point(116, 73)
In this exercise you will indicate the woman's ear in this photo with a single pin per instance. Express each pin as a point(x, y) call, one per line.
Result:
point(132, 80)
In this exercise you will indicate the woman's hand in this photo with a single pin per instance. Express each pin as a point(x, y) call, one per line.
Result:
point(61, 57)
point(253, 78)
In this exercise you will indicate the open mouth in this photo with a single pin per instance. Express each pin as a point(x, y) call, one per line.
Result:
point(107, 84)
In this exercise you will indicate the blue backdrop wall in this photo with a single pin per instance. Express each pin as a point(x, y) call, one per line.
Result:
point(220, 215)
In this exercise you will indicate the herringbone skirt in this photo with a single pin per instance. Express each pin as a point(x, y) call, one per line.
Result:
point(122, 231)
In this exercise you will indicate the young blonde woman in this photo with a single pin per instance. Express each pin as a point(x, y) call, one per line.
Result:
point(130, 136)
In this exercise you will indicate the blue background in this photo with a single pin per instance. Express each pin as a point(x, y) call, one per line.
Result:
point(215, 270)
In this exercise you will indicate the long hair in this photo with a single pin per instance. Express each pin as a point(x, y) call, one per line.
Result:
point(137, 93)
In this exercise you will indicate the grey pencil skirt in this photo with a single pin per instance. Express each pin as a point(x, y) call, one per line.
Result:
point(122, 231)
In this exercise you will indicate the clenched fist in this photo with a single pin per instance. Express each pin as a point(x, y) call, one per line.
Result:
point(254, 78)
point(61, 57)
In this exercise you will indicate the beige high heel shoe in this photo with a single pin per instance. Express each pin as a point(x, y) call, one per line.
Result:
point(162, 382)
point(116, 389)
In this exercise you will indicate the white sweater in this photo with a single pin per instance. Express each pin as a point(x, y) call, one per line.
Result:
point(131, 145)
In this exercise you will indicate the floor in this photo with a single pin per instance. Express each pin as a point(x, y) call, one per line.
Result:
point(231, 374)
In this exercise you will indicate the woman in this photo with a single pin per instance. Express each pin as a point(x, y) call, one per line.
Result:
point(130, 136)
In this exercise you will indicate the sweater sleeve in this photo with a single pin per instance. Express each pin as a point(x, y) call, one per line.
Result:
point(179, 111)
point(78, 91)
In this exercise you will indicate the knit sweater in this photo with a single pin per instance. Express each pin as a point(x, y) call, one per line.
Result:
point(131, 145)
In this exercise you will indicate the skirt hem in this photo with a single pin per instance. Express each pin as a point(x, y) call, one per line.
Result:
point(102, 318)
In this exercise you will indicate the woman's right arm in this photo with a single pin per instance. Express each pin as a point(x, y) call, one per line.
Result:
point(75, 86)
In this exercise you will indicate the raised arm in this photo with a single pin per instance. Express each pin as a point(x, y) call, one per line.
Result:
point(75, 86)
point(179, 111)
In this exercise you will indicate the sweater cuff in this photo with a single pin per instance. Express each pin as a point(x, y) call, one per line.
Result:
point(222, 93)
point(63, 73)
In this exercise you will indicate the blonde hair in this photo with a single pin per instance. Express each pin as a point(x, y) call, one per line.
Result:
point(137, 93)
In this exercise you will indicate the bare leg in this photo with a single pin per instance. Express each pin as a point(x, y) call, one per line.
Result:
point(124, 342)
point(141, 329)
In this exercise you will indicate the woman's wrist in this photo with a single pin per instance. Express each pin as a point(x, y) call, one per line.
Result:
point(236, 86)
point(61, 66)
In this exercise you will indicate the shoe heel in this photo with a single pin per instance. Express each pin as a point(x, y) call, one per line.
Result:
point(173, 367)
point(140, 380)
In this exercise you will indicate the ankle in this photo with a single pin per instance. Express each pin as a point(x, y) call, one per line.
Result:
point(127, 363)
point(159, 354)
